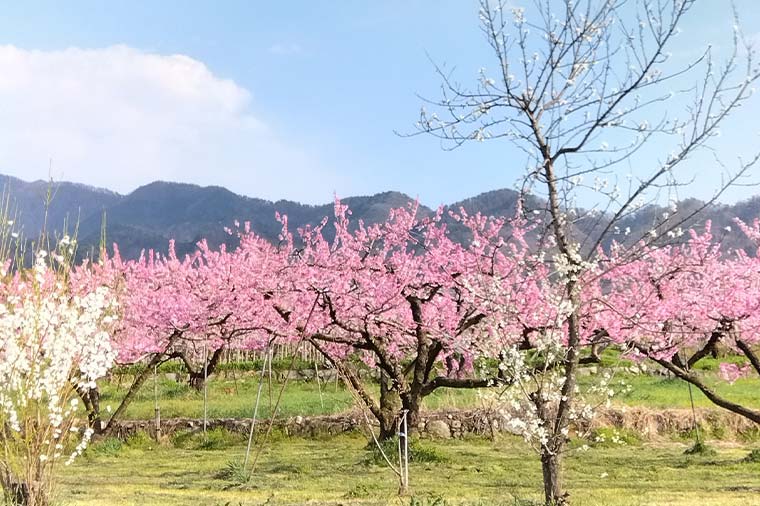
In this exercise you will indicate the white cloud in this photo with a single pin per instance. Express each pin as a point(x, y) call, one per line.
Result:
point(119, 117)
point(285, 49)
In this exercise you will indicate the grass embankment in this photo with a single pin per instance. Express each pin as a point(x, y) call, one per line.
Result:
point(340, 470)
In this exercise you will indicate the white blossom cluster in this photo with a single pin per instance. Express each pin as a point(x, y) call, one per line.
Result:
point(518, 405)
point(571, 265)
point(535, 384)
point(51, 343)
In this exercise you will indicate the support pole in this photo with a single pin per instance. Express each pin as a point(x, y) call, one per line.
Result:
point(255, 410)
point(694, 414)
point(205, 389)
point(403, 452)
point(156, 408)
point(319, 386)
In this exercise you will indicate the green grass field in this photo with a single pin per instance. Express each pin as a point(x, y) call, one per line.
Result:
point(338, 470)
point(234, 398)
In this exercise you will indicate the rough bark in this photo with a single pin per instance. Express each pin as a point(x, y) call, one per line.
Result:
point(23, 493)
point(747, 350)
point(91, 400)
point(552, 474)
point(137, 383)
point(198, 377)
point(390, 404)
point(551, 464)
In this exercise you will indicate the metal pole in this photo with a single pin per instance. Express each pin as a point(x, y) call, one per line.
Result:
point(255, 411)
point(401, 457)
point(694, 414)
point(269, 356)
point(319, 385)
point(403, 452)
point(205, 388)
point(156, 409)
point(406, 451)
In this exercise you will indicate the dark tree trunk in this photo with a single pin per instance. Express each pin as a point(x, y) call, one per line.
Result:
point(94, 415)
point(197, 380)
point(551, 451)
point(93, 409)
point(91, 400)
point(410, 402)
point(137, 383)
point(552, 474)
point(390, 404)
point(19, 493)
point(199, 377)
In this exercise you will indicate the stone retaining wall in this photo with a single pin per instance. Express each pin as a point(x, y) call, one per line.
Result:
point(648, 423)
point(439, 424)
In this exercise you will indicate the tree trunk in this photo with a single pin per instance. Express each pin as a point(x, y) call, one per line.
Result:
point(552, 473)
point(390, 405)
point(20, 493)
point(199, 377)
point(411, 403)
point(551, 451)
point(91, 400)
point(137, 382)
point(93, 416)
point(197, 381)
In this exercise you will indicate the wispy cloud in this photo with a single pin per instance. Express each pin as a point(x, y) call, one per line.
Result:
point(285, 48)
point(120, 117)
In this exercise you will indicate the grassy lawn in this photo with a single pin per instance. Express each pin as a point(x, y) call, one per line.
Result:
point(660, 392)
point(234, 398)
point(339, 470)
point(190, 468)
point(228, 398)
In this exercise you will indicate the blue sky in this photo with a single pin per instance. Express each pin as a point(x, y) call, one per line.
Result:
point(292, 100)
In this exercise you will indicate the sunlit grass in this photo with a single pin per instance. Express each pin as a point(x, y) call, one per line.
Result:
point(662, 392)
point(234, 398)
point(472, 471)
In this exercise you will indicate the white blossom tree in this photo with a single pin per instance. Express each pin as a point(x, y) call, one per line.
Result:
point(53, 343)
point(588, 91)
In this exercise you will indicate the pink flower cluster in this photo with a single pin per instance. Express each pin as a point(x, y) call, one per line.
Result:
point(381, 290)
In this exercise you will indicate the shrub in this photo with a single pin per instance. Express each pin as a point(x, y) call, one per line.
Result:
point(218, 439)
point(215, 439)
point(359, 491)
point(235, 472)
point(140, 440)
point(427, 501)
point(107, 447)
point(702, 449)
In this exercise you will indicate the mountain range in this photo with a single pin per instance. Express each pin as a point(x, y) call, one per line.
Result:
point(151, 215)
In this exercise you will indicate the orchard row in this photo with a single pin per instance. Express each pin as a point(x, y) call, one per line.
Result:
point(399, 296)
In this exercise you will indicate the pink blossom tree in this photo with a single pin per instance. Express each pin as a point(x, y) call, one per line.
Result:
point(391, 294)
point(191, 309)
point(680, 304)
